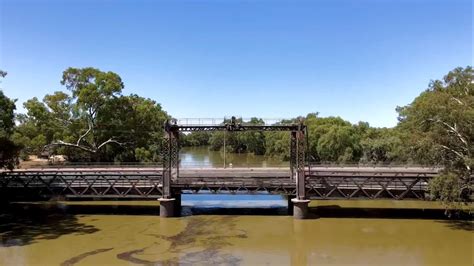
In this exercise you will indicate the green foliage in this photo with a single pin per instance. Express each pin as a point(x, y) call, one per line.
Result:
point(143, 155)
point(9, 151)
point(381, 146)
point(439, 130)
point(278, 145)
point(446, 187)
point(197, 138)
point(44, 122)
point(442, 118)
point(91, 87)
point(238, 142)
point(94, 123)
point(135, 121)
point(7, 107)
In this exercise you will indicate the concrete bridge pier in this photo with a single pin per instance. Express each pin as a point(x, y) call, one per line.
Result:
point(300, 208)
point(170, 207)
point(167, 207)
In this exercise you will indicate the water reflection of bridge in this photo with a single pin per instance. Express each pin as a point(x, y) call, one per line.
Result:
point(300, 182)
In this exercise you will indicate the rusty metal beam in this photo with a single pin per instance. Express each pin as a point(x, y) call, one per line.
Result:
point(146, 183)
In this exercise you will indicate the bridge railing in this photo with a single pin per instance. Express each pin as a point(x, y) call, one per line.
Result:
point(221, 165)
point(221, 121)
point(90, 165)
point(371, 165)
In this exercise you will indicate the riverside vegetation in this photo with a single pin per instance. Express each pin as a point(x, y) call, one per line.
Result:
point(92, 121)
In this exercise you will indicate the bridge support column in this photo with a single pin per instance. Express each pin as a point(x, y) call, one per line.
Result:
point(290, 204)
point(167, 207)
point(177, 204)
point(300, 208)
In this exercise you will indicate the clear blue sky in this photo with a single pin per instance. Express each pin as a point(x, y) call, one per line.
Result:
point(355, 59)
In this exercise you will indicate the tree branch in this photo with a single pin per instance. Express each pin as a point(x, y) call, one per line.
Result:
point(111, 140)
point(460, 155)
point(85, 134)
point(455, 131)
point(457, 100)
point(90, 150)
point(67, 144)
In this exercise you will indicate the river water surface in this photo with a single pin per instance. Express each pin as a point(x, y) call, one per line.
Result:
point(131, 233)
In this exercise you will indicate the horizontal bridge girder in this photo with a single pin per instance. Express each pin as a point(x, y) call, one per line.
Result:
point(190, 128)
point(372, 183)
point(235, 173)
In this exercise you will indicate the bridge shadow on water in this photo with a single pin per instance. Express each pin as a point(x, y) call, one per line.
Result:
point(336, 211)
point(20, 226)
point(459, 220)
point(27, 223)
point(466, 225)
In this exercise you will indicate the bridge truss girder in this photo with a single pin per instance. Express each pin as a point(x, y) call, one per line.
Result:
point(147, 183)
point(368, 187)
point(81, 184)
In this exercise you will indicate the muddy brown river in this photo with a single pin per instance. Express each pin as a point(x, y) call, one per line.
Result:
point(39, 236)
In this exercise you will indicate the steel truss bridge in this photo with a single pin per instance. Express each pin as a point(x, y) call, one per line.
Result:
point(300, 182)
point(147, 183)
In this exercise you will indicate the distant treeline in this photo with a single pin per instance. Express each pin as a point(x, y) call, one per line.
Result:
point(330, 140)
point(93, 121)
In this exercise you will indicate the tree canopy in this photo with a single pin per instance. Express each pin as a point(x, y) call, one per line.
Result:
point(8, 149)
point(439, 130)
point(95, 122)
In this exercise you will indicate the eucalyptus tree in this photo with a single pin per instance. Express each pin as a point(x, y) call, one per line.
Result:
point(92, 120)
point(91, 91)
point(439, 129)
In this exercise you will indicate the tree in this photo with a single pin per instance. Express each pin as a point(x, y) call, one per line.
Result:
point(91, 90)
point(254, 141)
point(137, 122)
point(93, 123)
point(380, 145)
point(332, 139)
point(44, 122)
point(238, 142)
point(277, 144)
point(440, 126)
point(196, 138)
point(8, 149)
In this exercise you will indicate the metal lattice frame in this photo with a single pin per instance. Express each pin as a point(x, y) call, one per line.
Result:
point(170, 159)
point(282, 186)
point(298, 160)
point(171, 149)
point(370, 185)
point(293, 155)
point(187, 128)
point(146, 183)
point(87, 184)
point(300, 166)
